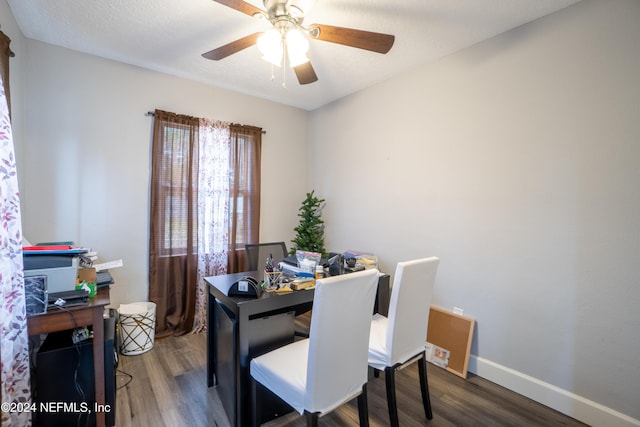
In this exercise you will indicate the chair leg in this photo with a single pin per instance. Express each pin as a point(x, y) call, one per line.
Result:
point(391, 396)
point(255, 404)
point(363, 408)
point(312, 419)
point(424, 387)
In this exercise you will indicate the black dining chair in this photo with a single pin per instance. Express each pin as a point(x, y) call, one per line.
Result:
point(257, 254)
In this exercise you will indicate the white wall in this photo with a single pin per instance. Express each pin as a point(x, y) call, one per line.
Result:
point(517, 162)
point(87, 154)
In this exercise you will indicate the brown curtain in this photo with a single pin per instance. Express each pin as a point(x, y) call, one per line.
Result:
point(173, 222)
point(173, 247)
point(5, 54)
point(244, 188)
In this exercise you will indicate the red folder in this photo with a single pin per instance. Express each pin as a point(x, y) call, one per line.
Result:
point(48, 248)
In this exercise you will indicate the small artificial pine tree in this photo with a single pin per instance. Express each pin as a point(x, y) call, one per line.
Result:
point(310, 231)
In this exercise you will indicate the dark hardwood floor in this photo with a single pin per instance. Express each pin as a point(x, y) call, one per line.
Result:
point(168, 388)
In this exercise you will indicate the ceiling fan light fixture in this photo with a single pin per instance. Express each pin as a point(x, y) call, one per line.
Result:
point(294, 60)
point(297, 47)
point(270, 45)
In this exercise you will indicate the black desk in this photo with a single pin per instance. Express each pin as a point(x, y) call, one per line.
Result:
point(239, 329)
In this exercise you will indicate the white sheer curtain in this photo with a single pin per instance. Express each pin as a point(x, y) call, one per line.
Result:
point(213, 209)
point(14, 359)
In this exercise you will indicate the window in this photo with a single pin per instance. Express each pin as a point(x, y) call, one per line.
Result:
point(178, 182)
point(244, 172)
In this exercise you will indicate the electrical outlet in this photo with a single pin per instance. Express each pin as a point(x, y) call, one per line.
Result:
point(458, 310)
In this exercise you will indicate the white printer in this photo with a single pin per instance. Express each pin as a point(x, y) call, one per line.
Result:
point(61, 271)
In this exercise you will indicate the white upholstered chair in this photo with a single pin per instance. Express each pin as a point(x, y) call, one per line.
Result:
point(320, 373)
point(400, 339)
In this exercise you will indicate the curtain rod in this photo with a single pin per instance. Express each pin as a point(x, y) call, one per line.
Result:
point(152, 114)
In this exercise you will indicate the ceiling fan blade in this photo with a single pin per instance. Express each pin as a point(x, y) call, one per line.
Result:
point(240, 6)
point(231, 48)
point(305, 73)
point(376, 42)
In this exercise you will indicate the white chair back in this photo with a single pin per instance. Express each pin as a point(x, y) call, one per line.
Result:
point(339, 339)
point(409, 308)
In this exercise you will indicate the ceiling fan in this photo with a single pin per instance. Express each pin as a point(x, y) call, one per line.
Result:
point(288, 40)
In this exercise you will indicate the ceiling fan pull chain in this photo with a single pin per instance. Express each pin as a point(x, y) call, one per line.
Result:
point(284, 74)
point(285, 54)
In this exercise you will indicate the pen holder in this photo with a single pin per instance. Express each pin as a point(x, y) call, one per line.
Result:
point(272, 279)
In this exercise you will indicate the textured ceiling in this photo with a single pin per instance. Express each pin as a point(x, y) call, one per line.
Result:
point(170, 36)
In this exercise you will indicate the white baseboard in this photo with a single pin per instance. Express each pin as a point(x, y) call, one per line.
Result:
point(585, 410)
